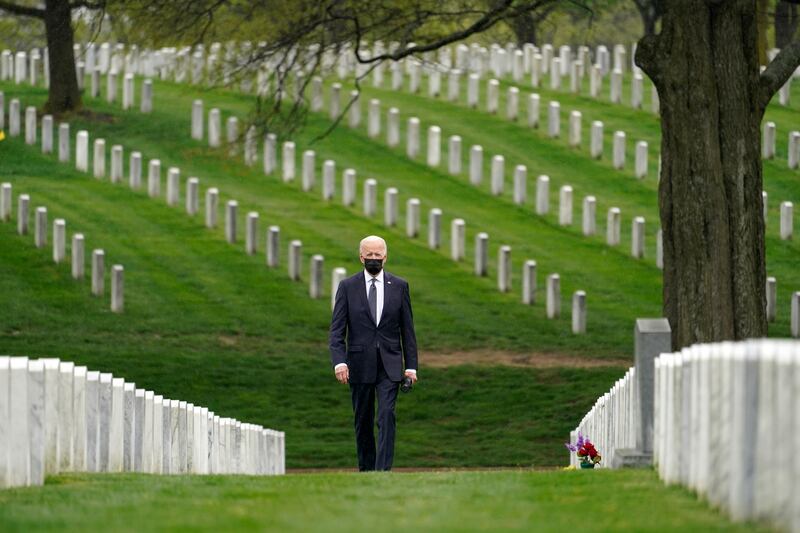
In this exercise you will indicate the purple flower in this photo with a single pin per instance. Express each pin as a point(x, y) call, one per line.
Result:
point(580, 443)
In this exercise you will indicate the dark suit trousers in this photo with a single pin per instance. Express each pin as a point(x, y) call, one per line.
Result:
point(363, 395)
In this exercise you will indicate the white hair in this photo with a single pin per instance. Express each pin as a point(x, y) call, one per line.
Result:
point(372, 238)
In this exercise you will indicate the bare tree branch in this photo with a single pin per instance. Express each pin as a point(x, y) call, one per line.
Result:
point(25, 11)
point(485, 22)
point(778, 72)
point(310, 37)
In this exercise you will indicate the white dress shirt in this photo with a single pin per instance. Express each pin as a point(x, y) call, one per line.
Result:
point(379, 284)
point(379, 289)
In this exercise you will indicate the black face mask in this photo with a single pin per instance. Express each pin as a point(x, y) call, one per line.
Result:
point(373, 266)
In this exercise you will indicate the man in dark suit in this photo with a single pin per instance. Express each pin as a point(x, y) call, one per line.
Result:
point(372, 333)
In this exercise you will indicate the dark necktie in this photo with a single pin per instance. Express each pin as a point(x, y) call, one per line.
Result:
point(373, 301)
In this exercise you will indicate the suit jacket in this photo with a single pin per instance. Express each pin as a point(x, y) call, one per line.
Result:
point(355, 339)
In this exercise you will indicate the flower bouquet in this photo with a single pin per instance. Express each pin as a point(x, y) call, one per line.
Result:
point(587, 453)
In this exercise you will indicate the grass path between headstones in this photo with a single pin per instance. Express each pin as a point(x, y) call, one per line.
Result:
point(629, 500)
point(485, 357)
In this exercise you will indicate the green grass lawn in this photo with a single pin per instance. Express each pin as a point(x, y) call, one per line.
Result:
point(431, 501)
point(206, 323)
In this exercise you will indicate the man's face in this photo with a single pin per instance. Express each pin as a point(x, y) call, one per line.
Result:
point(373, 250)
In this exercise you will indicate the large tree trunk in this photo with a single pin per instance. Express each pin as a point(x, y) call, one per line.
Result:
point(786, 21)
point(705, 66)
point(524, 28)
point(64, 94)
point(525, 22)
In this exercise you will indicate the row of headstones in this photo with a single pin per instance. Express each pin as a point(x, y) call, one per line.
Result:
point(725, 426)
point(498, 175)
point(128, 89)
point(768, 145)
point(171, 63)
point(24, 68)
point(434, 151)
point(786, 217)
point(354, 114)
point(154, 187)
point(391, 210)
point(458, 234)
point(178, 62)
point(596, 145)
point(536, 63)
point(154, 180)
point(476, 158)
point(434, 148)
point(416, 70)
point(528, 60)
point(370, 208)
point(786, 220)
point(772, 306)
point(480, 60)
point(58, 417)
point(565, 63)
point(611, 423)
point(183, 65)
point(77, 253)
point(574, 136)
point(476, 152)
point(596, 148)
point(108, 57)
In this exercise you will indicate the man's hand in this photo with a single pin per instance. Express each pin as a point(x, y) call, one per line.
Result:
point(412, 375)
point(343, 374)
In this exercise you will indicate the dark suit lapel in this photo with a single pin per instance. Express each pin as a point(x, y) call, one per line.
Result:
point(388, 292)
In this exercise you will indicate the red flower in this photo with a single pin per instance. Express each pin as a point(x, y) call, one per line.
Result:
point(587, 449)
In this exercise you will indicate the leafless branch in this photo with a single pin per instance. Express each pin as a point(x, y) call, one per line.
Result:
point(25, 11)
point(779, 71)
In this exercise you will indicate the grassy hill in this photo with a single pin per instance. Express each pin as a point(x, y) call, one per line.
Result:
point(426, 501)
point(207, 323)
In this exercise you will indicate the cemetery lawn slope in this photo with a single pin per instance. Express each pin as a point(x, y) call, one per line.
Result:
point(628, 500)
point(206, 323)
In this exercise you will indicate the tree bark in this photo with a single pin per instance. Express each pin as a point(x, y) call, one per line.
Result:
point(525, 22)
point(524, 28)
point(786, 21)
point(64, 95)
point(705, 66)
